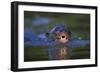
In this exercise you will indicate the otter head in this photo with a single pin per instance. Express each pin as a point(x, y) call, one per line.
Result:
point(60, 34)
point(62, 37)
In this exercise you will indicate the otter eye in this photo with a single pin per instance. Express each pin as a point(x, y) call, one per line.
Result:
point(63, 36)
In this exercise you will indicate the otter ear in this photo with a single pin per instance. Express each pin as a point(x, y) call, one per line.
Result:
point(47, 34)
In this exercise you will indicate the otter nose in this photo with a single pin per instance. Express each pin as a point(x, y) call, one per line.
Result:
point(63, 36)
